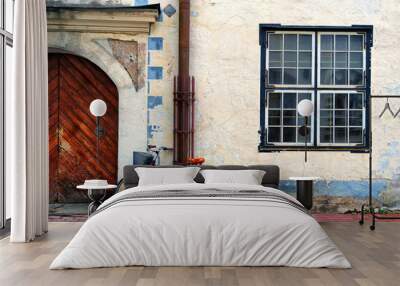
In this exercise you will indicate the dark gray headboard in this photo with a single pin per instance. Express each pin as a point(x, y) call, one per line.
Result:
point(271, 178)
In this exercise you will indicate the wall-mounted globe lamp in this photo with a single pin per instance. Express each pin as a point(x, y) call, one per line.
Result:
point(305, 108)
point(98, 108)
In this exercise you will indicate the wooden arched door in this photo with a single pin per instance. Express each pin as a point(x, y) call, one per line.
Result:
point(73, 83)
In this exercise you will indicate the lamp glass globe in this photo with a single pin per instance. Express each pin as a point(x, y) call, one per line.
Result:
point(98, 107)
point(305, 107)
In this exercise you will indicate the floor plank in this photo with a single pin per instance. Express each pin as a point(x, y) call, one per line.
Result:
point(375, 257)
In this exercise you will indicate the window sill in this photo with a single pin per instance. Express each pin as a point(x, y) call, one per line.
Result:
point(352, 149)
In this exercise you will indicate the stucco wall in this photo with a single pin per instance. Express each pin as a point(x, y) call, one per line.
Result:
point(225, 59)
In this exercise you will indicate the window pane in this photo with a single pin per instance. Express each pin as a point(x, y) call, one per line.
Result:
point(274, 134)
point(341, 77)
point(275, 59)
point(340, 135)
point(290, 59)
point(356, 77)
point(289, 100)
point(341, 101)
point(326, 77)
point(326, 135)
point(290, 42)
point(302, 96)
point(356, 101)
point(326, 60)
point(356, 60)
point(356, 135)
point(274, 117)
point(275, 76)
point(340, 118)
point(274, 100)
point(355, 118)
point(341, 60)
point(326, 42)
point(275, 42)
point(289, 117)
point(301, 121)
point(305, 42)
point(356, 42)
point(305, 59)
point(326, 100)
point(326, 118)
point(290, 76)
point(289, 134)
point(341, 42)
point(304, 76)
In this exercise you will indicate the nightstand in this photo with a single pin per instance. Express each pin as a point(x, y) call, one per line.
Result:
point(304, 190)
point(96, 194)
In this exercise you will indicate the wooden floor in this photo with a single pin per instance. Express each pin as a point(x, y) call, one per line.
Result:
point(375, 257)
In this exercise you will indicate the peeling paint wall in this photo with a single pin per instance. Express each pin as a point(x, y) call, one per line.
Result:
point(225, 59)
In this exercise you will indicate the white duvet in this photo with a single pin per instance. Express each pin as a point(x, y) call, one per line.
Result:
point(200, 231)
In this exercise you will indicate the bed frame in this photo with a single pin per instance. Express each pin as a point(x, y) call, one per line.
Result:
point(270, 179)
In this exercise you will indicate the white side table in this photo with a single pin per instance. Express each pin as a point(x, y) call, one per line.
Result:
point(304, 190)
point(96, 194)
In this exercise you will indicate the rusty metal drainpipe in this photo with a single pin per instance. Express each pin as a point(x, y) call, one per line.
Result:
point(183, 109)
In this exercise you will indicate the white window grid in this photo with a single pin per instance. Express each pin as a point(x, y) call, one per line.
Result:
point(347, 126)
point(297, 126)
point(334, 34)
point(298, 52)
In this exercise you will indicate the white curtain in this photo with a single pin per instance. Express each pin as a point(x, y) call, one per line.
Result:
point(27, 123)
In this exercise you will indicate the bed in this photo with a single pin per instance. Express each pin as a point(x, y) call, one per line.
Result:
point(197, 224)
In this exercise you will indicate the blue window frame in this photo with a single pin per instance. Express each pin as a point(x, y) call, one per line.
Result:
point(330, 65)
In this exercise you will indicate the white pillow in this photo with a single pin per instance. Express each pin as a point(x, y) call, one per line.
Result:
point(248, 177)
point(166, 176)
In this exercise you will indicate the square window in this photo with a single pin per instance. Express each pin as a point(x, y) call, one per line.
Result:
point(355, 118)
point(356, 60)
point(356, 42)
point(338, 71)
point(340, 135)
point(274, 134)
point(290, 76)
point(356, 135)
point(274, 100)
point(326, 76)
point(326, 100)
point(326, 118)
point(289, 118)
point(356, 77)
point(341, 77)
point(341, 60)
point(326, 135)
point(356, 101)
point(305, 42)
point(305, 59)
point(290, 42)
point(290, 59)
point(275, 59)
point(341, 42)
point(304, 76)
point(326, 60)
point(275, 42)
point(341, 101)
point(274, 117)
point(327, 42)
point(289, 100)
point(275, 76)
point(340, 118)
point(289, 134)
